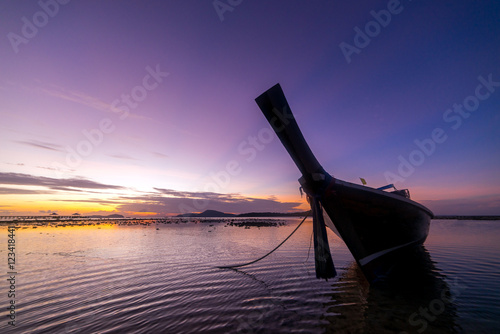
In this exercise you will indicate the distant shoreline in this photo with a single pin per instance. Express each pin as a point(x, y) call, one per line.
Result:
point(467, 217)
point(4, 220)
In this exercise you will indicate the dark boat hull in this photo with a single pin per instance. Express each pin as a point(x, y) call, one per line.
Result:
point(375, 225)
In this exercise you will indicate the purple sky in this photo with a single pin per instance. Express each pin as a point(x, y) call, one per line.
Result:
point(148, 107)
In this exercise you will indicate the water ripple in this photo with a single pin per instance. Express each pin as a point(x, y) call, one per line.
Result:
point(141, 280)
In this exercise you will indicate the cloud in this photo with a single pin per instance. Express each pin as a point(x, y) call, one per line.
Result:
point(41, 144)
point(90, 200)
point(175, 193)
point(183, 202)
point(49, 168)
point(67, 189)
point(77, 97)
point(122, 156)
point(56, 184)
point(82, 99)
point(55, 169)
point(73, 96)
point(160, 201)
point(201, 195)
point(160, 155)
point(15, 191)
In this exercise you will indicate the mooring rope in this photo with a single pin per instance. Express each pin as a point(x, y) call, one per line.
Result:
point(260, 258)
point(310, 244)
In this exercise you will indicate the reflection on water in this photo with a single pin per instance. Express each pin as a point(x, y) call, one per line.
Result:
point(149, 279)
point(416, 297)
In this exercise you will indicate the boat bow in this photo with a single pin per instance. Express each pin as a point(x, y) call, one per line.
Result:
point(314, 180)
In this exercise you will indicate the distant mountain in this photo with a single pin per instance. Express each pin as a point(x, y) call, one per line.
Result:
point(214, 213)
point(467, 217)
point(115, 216)
point(108, 216)
point(208, 213)
point(274, 214)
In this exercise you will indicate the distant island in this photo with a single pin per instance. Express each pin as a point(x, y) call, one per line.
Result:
point(113, 216)
point(213, 214)
point(207, 213)
point(219, 214)
point(467, 217)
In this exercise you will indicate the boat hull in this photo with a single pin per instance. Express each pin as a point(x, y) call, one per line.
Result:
point(375, 225)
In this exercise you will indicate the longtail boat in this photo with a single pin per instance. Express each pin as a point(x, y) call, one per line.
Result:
point(377, 225)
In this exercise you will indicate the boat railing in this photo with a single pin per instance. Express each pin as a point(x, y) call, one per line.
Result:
point(402, 192)
point(387, 187)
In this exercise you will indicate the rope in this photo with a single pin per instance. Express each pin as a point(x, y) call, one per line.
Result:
point(260, 258)
point(309, 250)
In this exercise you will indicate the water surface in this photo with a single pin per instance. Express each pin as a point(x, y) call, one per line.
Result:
point(140, 279)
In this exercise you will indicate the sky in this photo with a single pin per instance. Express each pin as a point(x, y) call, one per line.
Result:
point(146, 108)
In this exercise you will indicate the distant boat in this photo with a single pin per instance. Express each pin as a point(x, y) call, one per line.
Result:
point(375, 224)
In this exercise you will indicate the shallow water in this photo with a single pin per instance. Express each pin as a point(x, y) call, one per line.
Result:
point(137, 279)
